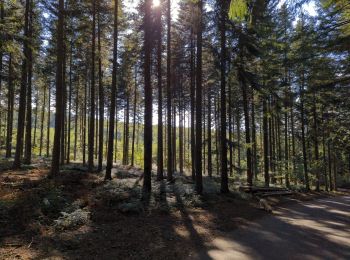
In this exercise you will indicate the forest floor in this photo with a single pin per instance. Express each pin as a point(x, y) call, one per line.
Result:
point(80, 216)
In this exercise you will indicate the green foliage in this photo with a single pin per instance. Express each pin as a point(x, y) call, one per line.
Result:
point(238, 10)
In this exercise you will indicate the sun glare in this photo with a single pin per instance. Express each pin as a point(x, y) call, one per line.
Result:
point(156, 3)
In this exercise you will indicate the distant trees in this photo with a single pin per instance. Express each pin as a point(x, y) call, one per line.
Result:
point(241, 91)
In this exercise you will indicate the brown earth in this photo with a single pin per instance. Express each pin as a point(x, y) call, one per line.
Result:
point(171, 223)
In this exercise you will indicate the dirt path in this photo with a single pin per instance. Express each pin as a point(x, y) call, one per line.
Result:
point(318, 229)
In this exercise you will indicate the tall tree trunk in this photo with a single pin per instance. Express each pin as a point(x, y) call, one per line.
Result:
point(223, 58)
point(92, 93)
point(181, 136)
point(266, 144)
point(306, 175)
point(334, 170)
point(100, 92)
point(247, 131)
point(210, 163)
point(286, 146)
point(48, 124)
point(324, 157)
point(134, 122)
point(76, 125)
point(192, 101)
point(84, 117)
point(238, 126)
point(315, 125)
point(23, 90)
point(173, 142)
point(64, 104)
point(160, 166)
point(254, 146)
point(329, 165)
point(10, 105)
point(59, 89)
point(148, 98)
point(2, 18)
point(126, 132)
point(198, 154)
point(69, 102)
point(169, 97)
point(35, 118)
point(293, 140)
point(230, 128)
point(42, 123)
point(112, 112)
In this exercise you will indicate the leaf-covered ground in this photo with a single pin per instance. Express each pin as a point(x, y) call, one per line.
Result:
point(79, 216)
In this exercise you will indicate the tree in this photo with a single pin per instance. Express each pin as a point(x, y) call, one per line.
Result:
point(92, 91)
point(23, 90)
point(148, 100)
point(198, 150)
point(160, 174)
point(169, 97)
point(59, 89)
point(108, 175)
point(222, 28)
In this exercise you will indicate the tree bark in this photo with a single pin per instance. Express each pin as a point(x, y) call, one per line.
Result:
point(169, 98)
point(92, 92)
point(23, 91)
point(198, 154)
point(223, 58)
point(112, 112)
point(148, 98)
point(101, 94)
point(266, 145)
point(59, 88)
point(10, 105)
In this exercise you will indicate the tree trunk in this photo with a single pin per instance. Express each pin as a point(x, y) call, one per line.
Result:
point(84, 118)
point(266, 145)
point(59, 88)
point(48, 125)
point(324, 157)
point(42, 123)
point(92, 92)
point(76, 125)
point(192, 101)
point(69, 102)
point(23, 91)
point(238, 126)
point(198, 154)
point(148, 97)
point(126, 132)
point(35, 118)
point(210, 163)
point(101, 94)
point(306, 175)
point(134, 122)
point(169, 97)
point(254, 148)
point(314, 111)
point(222, 28)
point(112, 112)
point(10, 105)
point(247, 133)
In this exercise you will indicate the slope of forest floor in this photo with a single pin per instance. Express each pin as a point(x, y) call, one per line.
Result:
point(80, 216)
